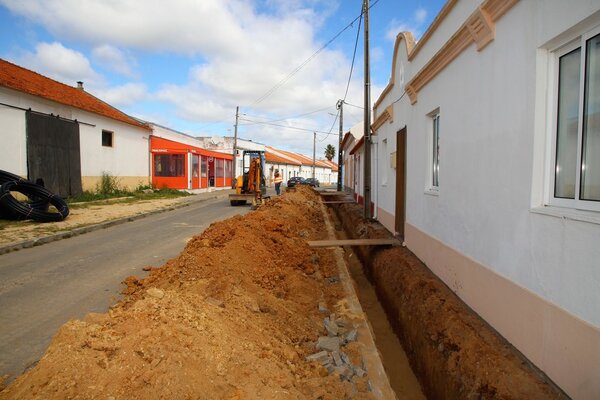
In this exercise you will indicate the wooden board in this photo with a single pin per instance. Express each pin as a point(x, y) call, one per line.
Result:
point(354, 242)
point(338, 201)
point(333, 193)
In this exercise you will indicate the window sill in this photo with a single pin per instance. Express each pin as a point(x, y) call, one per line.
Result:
point(432, 191)
point(592, 217)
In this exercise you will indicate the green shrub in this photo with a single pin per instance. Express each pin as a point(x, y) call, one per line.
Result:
point(108, 185)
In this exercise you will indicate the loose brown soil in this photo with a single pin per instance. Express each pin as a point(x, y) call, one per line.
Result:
point(232, 317)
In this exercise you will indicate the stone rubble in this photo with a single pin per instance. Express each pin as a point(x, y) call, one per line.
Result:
point(330, 355)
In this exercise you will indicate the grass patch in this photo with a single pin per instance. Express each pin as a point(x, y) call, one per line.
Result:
point(124, 196)
point(109, 188)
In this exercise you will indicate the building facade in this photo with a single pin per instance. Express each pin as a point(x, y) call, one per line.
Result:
point(178, 162)
point(65, 136)
point(486, 160)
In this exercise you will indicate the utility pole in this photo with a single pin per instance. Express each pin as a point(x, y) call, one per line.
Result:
point(233, 170)
point(314, 153)
point(340, 106)
point(367, 118)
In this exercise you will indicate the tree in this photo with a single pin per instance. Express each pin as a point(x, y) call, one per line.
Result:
point(329, 152)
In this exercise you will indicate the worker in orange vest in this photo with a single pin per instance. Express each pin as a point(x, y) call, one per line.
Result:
point(277, 180)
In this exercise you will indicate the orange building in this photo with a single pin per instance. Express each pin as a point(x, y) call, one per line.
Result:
point(179, 165)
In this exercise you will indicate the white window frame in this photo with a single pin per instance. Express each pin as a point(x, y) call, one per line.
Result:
point(385, 164)
point(431, 187)
point(576, 203)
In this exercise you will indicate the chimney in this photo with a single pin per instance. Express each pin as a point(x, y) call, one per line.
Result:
point(80, 85)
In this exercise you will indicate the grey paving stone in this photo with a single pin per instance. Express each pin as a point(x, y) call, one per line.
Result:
point(329, 343)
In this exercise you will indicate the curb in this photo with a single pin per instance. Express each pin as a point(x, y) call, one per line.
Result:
point(25, 244)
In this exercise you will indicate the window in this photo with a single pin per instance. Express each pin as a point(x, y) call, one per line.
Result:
point(169, 165)
point(203, 167)
point(384, 169)
point(107, 138)
point(576, 145)
point(228, 170)
point(433, 180)
point(220, 169)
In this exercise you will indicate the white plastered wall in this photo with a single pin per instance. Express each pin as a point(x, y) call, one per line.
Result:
point(127, 158)
point(492, 168)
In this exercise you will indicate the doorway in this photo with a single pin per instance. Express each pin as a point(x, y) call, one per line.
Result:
point(400, 182)
point(53, 153)
point(211, 172)
point(195, 171)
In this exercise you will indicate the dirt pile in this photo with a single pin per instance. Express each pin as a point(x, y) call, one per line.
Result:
point(233, 317)
point(452, 350)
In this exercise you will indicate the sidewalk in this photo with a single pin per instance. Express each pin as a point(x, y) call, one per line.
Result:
point(95, 217)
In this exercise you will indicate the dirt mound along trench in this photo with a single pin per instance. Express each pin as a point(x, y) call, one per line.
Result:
point(234, 316)
point(454, 353)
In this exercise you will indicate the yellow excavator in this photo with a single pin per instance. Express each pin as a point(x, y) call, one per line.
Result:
point(250, 186)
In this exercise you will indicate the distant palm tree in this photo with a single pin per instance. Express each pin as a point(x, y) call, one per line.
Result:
point(329, 152)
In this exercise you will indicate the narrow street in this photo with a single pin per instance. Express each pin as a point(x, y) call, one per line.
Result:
point(43, 287)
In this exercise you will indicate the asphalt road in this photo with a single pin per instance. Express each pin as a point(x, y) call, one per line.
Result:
point(43, 287)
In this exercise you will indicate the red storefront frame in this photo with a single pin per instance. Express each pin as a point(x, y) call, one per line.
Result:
point(179, 159)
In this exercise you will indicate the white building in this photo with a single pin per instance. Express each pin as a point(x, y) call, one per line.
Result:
point(66, 136)
point(352, 150)
point(224, 144)
point(486, 159)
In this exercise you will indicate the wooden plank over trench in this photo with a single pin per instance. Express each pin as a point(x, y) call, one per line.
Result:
point(334, 193)
point(354, 242)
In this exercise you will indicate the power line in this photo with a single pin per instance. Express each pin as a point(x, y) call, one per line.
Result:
point(309, 59)
point(286, 118)
point(282, 126)
point(352, 105)
point(353, 56)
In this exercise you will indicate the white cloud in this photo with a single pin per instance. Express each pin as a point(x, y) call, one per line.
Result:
point(414, 25)
point(182, 26)
point(60, 63)
point(237, 50)
point(123, 95)
point(420, 15)
point(114, 59)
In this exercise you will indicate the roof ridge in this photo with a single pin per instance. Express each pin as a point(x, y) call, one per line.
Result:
point(24, 80)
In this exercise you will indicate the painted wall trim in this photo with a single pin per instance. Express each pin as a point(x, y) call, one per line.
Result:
point(386, 115)
point(386, 219)
point(432, 28)
point(409, 39)
point(479, 28)
point(565, 347)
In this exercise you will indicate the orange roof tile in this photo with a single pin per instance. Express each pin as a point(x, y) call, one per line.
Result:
point(295, 158)
point(333, 165)
point(309, 161)
point(23, 80)
point(274, 158)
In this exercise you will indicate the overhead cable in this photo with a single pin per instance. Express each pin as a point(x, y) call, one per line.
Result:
point(282, 126)
point(309, 59)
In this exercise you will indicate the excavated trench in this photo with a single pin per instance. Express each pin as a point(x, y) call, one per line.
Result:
point(394, 359)
point(452, 351)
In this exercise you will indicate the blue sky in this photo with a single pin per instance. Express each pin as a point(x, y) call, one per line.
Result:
point(187, 64)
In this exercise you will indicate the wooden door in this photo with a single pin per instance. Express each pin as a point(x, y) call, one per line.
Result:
point(400, 181)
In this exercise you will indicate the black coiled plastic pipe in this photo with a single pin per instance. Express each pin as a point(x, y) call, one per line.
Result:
point(22, 210)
